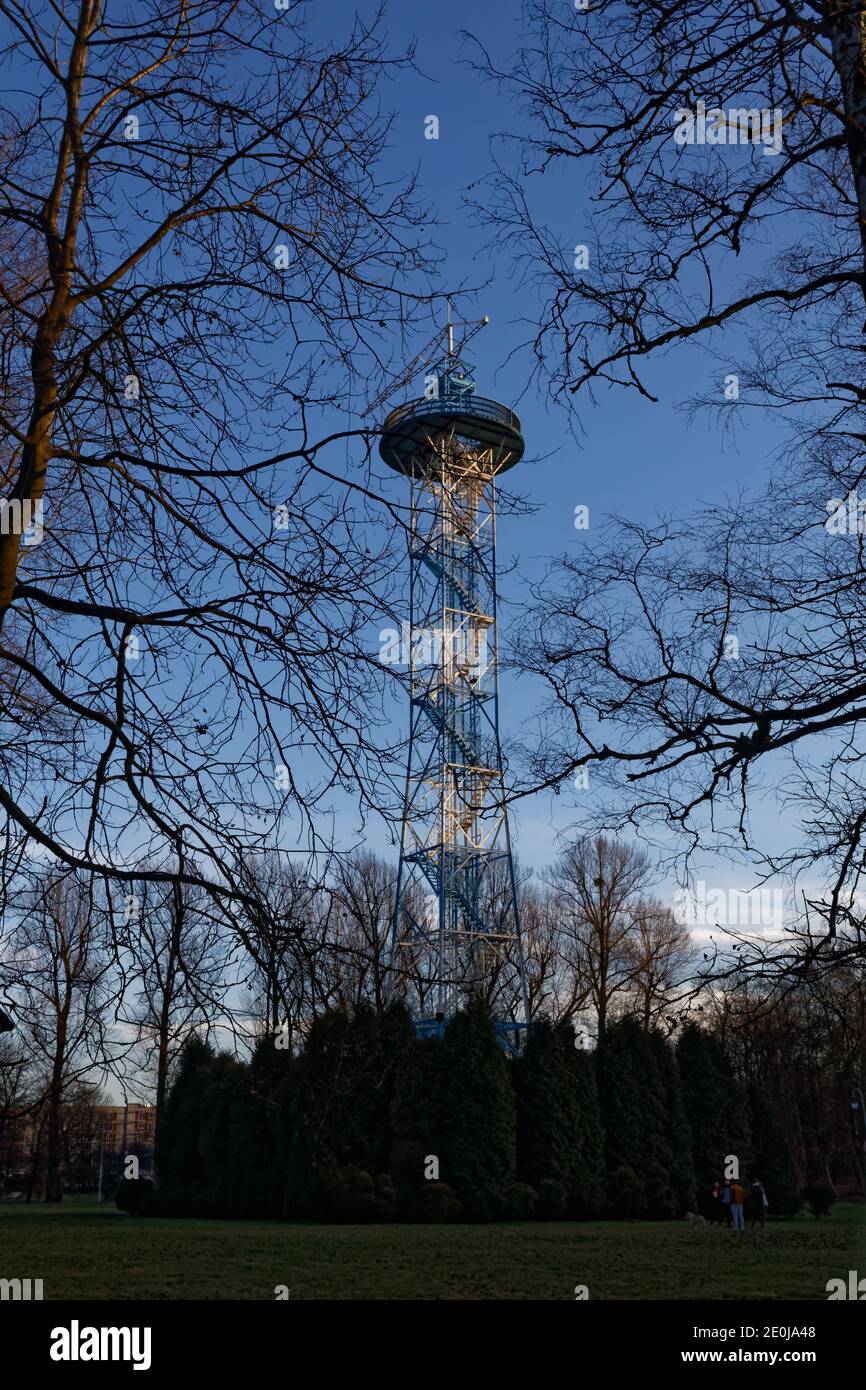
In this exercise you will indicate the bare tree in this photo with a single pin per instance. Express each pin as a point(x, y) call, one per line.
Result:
point(59, 959)
point(176, 973)
point(83, 1132)
point(20, 1095)
point(211, 260)
point(805, 1051)
point(661, 956)
point(555, 989)
point(697, 664)
point(364, 895)
point(316, 935)
point(598, 882)
point(614, 91)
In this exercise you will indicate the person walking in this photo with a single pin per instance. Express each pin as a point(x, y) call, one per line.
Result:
point(738, 1197)
point(758, 1203)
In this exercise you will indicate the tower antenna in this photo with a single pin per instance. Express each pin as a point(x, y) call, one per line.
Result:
point(429, 354)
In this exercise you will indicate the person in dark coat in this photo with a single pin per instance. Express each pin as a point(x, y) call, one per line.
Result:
point(757, 1204)
point(726, 1200)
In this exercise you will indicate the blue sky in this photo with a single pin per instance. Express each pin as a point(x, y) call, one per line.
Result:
point(635, 457)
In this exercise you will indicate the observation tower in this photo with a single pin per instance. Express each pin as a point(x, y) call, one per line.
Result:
point(456, 924)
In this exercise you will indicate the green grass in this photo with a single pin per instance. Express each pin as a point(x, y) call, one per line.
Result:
point(84, 1251)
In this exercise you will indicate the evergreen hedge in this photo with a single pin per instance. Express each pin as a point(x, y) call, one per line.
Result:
point(371, 1123)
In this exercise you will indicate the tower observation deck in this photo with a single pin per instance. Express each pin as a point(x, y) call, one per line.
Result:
point(456, 923)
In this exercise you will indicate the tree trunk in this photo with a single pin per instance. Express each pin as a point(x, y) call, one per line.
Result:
point(845, 22)
point(65, 200)
point(54, 1148)
point(161, 1081)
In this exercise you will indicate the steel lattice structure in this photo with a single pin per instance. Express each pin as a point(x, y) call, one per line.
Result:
point(456, 924)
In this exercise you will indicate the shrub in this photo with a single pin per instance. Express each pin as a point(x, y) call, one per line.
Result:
point(520, 1201)
point(660, 1202)
point(135, 1196)
point(387, 1198)
point(819, 1199)
point(346, 1193)
point(439, 1202)
point(552, 1201)
point(626, 1192)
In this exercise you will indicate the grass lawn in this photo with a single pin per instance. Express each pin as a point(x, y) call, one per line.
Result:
point(84, 1251)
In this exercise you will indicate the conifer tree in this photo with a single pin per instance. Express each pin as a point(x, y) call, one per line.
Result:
point(771, 1161)
point(179, 1162)
point(226, 1088)
point(478, 1115)
point(675, 1125)
point(715, 1105)
point(342, 1105)
point(587, 1197)
point(560, 1144)
point(273, 1073)
point(623, 1113)
point(639, 1144)
point(416, 1122)
point(377, 1041)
